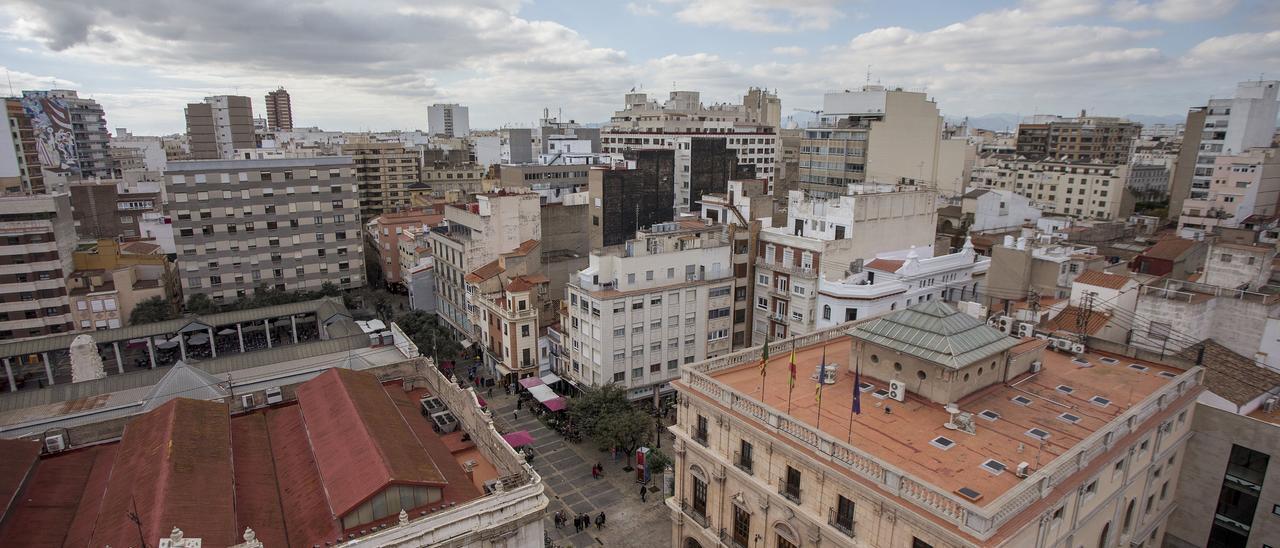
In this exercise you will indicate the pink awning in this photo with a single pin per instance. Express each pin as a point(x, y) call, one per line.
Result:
point(531, 382)
point(556, 404)
point(518, 439)
point(480, 400)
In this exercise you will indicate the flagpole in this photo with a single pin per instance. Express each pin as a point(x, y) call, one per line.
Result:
point(791, 380)
point(822, 373)
point(855, 407)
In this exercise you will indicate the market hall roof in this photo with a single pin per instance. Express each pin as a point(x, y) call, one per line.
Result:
point(936, 332)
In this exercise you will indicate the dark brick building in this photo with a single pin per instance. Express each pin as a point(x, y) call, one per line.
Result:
point(627, 199)
point(711, 165)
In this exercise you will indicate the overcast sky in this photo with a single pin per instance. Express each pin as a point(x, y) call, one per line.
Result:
point(377, 64)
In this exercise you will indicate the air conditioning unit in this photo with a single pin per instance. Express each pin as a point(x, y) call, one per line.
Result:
point(1036, 365)
point(444, 422)
point(432, 405)
point(898, 390)
point(1062, 344)
point(1026, 330)
point(274, 396)
point(247, 401)
point(55, 443)
point(1270, 404)
point(1077, 348)
point(1022, 470)
point(1041, 336)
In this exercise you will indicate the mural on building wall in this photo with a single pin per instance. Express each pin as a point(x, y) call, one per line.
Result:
point(51, 122)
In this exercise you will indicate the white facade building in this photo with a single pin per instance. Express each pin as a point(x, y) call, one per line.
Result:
point(998, 210)
point(642, 309)
point(894, 280)
point(450, 120)
point(1242, 185)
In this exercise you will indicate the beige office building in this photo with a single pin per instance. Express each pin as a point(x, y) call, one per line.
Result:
point(384, 172)
point(220, 125)
point(279, 110)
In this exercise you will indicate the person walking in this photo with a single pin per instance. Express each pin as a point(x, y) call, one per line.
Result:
point(586, 522)
point(559, 519)
point(515, 415)
point(642, 492)
point(577, 524)
point(600, 521)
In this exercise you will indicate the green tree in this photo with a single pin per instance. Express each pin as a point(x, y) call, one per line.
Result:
point(587, 409)
point(200, 304)
point(656, 461)
point(330, 289)
point(626, 430)
point(155, 309)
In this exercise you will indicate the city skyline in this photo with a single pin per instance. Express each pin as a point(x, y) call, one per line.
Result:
point(508, 60)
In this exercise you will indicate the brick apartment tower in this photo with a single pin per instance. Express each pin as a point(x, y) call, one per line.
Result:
point(279, 110)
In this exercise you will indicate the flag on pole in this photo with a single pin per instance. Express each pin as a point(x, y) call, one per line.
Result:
point(792, 382)
point(857, 390)
point(764, 357)
point(822, 373)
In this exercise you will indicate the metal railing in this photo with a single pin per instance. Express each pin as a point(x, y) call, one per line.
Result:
point(983, 521)
point(791, 491)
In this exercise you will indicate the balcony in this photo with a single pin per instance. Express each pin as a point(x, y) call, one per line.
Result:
point(799, 272)
point(835, 523)
point(745, 466)
point(790, 491)
point(700, 436)
point(700, 517)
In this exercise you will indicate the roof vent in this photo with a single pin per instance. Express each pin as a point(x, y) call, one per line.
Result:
point(1065, 389)
point(1168, 375)
point(969, 493)
point(1069, 418)
point(1021, 400)
point(1109, 361)
point(1138, 367)
point(942, 442)
point(1100, 401)
point(989, 415)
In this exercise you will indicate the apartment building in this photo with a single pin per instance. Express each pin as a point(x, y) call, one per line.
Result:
point(874, 134)
point(289, 224)
point(628, 196)
point(446, 178)
point(100, 210)
point(72, 132)
point(553, 176)
point(988, 210)
point(826, 237)
point(1082, 139)
point(219, 126)
point(384, 171)
point(449, 120)
point(473, 235)
point(749, 129)
point(1022, 268)
point(642, 309)
point(1242, 185)
point(1081, 190)
point(1222, 127)
point(893, 281)
point(38, 238)
point(20, 172)
point(927, 428)
point(384, 232)
point(509, 302)
point(279, 110)
point(111, 278)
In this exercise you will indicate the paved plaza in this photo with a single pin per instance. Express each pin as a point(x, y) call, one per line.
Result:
point(566, 471)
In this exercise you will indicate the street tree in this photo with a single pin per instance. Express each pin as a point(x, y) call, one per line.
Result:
point(155, 309)
point(587, 409)
point(625, 430)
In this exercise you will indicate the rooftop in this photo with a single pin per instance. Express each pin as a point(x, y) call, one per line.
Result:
point(1234, 377)
point(936, 332)
point(189, 464)
point(1004, 414)
point(1170, 249)
point(1102, 279)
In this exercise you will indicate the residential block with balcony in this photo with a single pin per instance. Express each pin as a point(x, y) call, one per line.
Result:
point(37, 238)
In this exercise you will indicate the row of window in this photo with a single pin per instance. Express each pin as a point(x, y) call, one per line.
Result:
point(225, 178)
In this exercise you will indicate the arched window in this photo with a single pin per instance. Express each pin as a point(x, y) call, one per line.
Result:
point(826, 312)
point(1102, 539)
point(1128, 515)
point(786, 536)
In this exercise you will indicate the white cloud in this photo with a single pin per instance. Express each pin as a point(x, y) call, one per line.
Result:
point(20, 80)
point(1244, 49)
point(789, 50)
point(760, 15)
point(1179, 11)
point(642, 9)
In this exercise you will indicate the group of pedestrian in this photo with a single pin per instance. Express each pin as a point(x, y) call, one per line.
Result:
point(597, 471)
point(581, 522)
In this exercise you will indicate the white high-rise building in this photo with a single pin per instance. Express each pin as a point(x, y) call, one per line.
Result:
point(1222, 127)
point(448, 119)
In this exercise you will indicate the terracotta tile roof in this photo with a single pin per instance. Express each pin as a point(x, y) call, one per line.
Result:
point(1235, 377)
point(524, 248)
point(174, 466)
point(485, 272)
point(885, 265)
point(1170, 249)
point(308, 520)
point(257, 495)
point(361, 443)
point(51, 499)
point(1068, 319)
point(1102, 279)
point(525, 283)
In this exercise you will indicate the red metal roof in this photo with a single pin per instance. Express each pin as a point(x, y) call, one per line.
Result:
point(18, 456)
point(308, 519)
point(49, 501)
point(360, 441)
point(173, 468)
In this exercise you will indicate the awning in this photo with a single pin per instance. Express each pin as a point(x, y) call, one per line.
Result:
point(198, 339)
point(543, 393)
point(550, 378)
point(227, 331)
point(556, 404)
point(531, 382)
point(518, 439)
point(167, 345)
point(480, 400)
point(466, 344)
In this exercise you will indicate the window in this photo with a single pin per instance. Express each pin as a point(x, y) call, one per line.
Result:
point(791, 485)
point(741, 527)
point(700, 430)
point(700, 497)
point(745, 456)
point(826, 312)
point(843, 519)
point(619, 377)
